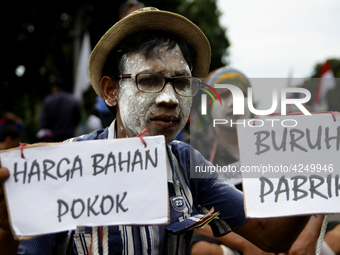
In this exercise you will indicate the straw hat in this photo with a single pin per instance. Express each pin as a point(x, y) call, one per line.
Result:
point(149, 18)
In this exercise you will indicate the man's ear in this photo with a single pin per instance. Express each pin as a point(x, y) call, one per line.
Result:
point(109, 89)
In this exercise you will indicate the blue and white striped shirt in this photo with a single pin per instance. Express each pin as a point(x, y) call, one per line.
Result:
point(196, 194)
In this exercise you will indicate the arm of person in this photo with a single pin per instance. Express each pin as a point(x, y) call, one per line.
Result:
point(7, 243)
point(4, 222)
point(234, 241)
point(273, 234)
point(332, 238)
point(306, 242)
point(269, 234)
point(237, 242)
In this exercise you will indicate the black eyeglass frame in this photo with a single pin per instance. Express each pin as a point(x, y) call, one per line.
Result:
point(167, 80)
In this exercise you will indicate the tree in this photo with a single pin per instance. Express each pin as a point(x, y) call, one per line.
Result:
point(44, 39)
point(204, 13)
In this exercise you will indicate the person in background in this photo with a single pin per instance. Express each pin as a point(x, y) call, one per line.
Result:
point(100, 116)
point(60, 112)
point(9, 137)
point(44, 136)
point(11, 118)
point(220, 144)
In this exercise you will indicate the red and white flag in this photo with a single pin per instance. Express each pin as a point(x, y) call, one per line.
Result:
point(326, 82)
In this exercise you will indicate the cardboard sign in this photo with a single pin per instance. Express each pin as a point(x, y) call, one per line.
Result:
point(290, 164)
point(91, 183)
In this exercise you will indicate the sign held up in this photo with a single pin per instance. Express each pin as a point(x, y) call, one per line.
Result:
point(58, 187)
point(291, 169)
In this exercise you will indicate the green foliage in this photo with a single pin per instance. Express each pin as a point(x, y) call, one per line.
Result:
point(45, 38)
point(204, 13)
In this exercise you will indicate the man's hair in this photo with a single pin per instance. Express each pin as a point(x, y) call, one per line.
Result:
point(9, 130)
point(148, 43)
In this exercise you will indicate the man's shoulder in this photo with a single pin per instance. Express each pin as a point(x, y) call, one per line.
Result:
point(180, 146)
point(186, 152)
point(95, 135)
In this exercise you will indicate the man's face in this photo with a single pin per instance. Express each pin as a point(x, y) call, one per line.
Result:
point(163, 113)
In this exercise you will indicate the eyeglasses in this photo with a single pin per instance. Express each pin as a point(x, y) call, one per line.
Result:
point(153, 83)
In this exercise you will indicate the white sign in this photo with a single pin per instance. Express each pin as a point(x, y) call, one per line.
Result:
point(91, 183)
point(291, 164)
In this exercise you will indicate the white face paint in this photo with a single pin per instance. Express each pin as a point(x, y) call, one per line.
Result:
point(164, 113)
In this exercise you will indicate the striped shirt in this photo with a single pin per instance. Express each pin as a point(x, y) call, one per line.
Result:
point(188, 199)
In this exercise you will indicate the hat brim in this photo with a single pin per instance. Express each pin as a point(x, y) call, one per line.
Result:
point(150, 19)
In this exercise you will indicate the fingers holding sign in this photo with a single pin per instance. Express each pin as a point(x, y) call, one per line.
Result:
point(4, 174)
point(7, 243)
point(4, 223)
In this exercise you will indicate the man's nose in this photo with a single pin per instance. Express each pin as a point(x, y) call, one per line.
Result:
point(167, 96)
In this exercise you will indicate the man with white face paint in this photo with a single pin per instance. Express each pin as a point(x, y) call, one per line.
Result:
point(164, 112)
point(145, 65)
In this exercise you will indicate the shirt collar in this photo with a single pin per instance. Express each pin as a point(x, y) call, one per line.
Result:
point(112, 130)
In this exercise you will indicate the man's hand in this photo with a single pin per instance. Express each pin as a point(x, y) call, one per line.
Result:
point(302, 246)
point(8, 245)
point(230, 240)
point(237, 242)
point(306, 242)
point(4, 222)
point(273, 234)
point(254, 250)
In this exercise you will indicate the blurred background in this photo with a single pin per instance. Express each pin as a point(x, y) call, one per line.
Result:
point(44, 42)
